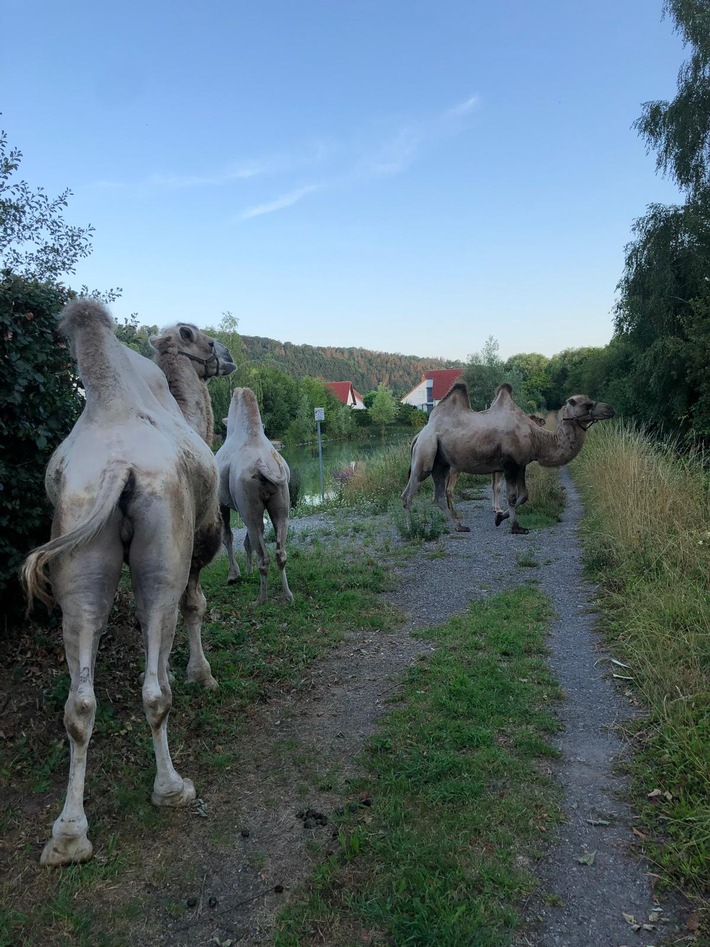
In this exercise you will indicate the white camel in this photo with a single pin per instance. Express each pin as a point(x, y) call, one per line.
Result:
point(131, 483)
point(502, 438)
point(253, 478)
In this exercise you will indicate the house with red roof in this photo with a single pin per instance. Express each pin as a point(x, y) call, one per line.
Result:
point(346, 394)
point(432, 388)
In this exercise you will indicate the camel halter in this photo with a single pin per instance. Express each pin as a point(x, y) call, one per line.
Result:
point(579, 422)
point(203, 361)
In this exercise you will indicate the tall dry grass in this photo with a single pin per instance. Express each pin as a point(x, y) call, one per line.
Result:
point(647, 540)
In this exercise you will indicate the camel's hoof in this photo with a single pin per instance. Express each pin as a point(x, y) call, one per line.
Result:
point(519, 530)
point(176, 799)
point(233, 579)
point(206, 680)
point(462, 529)
point(66, 851)
point(500, 517)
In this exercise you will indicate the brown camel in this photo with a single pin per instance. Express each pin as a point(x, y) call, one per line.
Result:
point(496, 484)
point(253, 479)
point(131, 483)
point(500, 439)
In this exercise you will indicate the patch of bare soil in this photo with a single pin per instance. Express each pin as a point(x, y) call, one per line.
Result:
point(223, 870)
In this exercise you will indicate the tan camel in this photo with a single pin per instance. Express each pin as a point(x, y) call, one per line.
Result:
point(500, 439)
point(189, 358)
point(253, 478)
point(131, 483)
point(496, 484)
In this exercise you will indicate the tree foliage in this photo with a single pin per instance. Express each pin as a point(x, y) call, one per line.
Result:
point(35, 240)
point(40, 403)
point(384, 408)
point(486, 370)
point(679, 131)
point(661, 317)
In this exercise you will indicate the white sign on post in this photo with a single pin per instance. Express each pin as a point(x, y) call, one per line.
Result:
point(319, 414)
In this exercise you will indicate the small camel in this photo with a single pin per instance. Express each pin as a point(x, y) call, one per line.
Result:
point(499, 439)
point(131, 483)
point(253, 478)
point(496, 484)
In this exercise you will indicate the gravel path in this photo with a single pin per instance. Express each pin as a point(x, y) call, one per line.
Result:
point(348, 691)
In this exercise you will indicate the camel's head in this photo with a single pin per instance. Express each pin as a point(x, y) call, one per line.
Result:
point(208, 356)
point(581, 410)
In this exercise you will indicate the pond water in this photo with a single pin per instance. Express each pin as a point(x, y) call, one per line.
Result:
point(337, 455)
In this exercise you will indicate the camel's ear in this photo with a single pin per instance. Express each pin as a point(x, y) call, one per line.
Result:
point(224, 421)
point(186, 334)
point(152, 339)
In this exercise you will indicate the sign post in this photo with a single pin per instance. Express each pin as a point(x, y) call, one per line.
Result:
point(320, 416)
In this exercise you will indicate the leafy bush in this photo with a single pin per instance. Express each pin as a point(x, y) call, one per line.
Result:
point(39, 405)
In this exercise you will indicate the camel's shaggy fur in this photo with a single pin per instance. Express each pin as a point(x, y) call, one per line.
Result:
point(131, 483)
point(253, 478)
point(500, 439)
point(188, 359)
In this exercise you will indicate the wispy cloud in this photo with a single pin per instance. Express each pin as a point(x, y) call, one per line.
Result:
point(378, 153)
point(293, 197)
point(464, 108)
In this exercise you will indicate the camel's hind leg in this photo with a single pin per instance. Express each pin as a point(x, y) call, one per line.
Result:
point(158, 572)
point(84, 585)
point(440, 474)
point(280, 524)
point(517, 494)
point(451, 482)
point(255, 542)
point(228, 541)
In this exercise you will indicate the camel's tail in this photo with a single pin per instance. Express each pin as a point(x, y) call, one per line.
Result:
point(34, 580)
point(273, 470)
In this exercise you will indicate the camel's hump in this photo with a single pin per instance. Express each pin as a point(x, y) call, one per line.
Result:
point(84, 313)
point(456, 397)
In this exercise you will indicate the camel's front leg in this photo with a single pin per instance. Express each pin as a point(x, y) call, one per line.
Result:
point(169, 788)
point(193, 606)
point(517, 494)
point(496, 484)
point(228, 541)
point(451, 482)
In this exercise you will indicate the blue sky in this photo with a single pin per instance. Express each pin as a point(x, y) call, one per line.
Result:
point(408, 177)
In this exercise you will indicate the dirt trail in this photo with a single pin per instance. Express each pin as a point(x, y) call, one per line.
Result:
point(239, 864)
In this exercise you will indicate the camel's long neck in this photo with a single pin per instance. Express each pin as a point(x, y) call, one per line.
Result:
point(559, 447)
point(190, 393)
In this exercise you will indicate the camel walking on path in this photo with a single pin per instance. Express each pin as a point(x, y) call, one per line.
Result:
point(188, 358)
point(253, 478)
point(496, 485)
point(131, 483)
point(500, 439)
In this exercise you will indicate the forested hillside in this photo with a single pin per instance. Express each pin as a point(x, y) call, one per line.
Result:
point(364, 368)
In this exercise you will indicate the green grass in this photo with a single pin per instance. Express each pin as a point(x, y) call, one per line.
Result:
point(647, 544)
point(457, 802)
point(255, 652)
